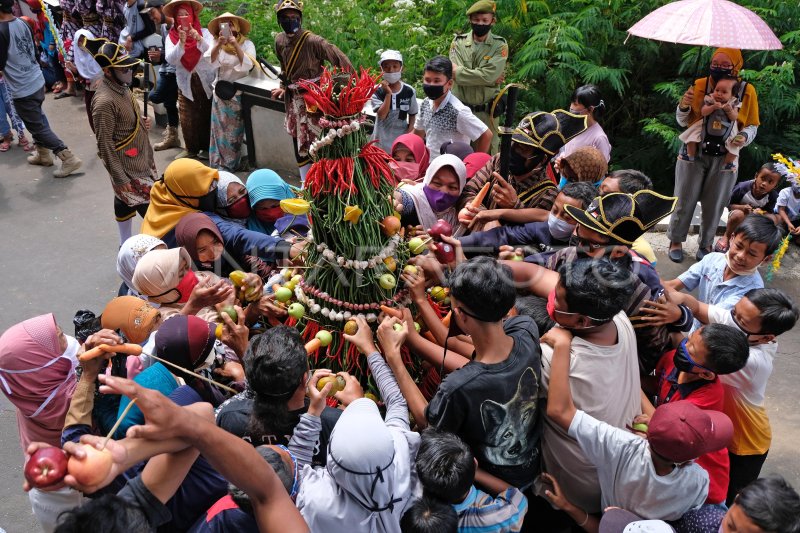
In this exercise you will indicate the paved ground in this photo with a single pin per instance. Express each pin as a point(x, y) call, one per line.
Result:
point(59, 243)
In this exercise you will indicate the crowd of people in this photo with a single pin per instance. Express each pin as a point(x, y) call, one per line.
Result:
point(567, 385)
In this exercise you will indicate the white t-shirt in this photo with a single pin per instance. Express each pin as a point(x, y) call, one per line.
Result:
point(790, 202)
point(452, 121)
point(627, 476)
point(604, 381)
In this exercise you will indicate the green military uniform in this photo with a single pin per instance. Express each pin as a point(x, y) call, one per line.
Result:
point(479, 65)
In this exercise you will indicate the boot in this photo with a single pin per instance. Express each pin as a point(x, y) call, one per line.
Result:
point(69, 164)
point(171, 140)
point(42, 156)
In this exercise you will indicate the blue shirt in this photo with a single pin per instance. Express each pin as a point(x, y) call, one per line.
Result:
point(706, 277)
point(480, 513)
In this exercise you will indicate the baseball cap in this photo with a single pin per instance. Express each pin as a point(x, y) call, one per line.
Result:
point(680, 431)
point(622, 521)
point(388, 55)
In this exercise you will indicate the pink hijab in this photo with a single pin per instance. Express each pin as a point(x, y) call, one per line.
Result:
point(38, 378)
point(416, 146)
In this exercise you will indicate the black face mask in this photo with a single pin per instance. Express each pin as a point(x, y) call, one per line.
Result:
point(433, 91)
point(717, 73)
point(289, 25)
point(207, 202)
point(680, 360)
point(519, 165)
point(481, 29)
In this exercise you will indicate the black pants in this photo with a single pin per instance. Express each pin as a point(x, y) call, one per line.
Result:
point(744, 470)
point(29, 109)
point(166, 93)
point(123, 211)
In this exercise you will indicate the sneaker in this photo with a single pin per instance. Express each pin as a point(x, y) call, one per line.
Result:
point(202, 154)
point(184, 154)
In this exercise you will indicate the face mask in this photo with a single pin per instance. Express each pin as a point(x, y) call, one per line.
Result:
point(551, 305)
point(680, 359)
point(563, 181)
point(717, 73)
point(559, 228)
point(186, 286)
point(289, 25)
point(123, 78)
point(440, 201)
point(392, 77)
point(269, 215)
point(481, 29)
point(404, 170)
point(517, 164)
point(240, 208)
point(735, 270)
point(433, 92)
point(71, 352)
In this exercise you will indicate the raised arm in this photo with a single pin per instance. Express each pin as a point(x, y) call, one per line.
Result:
point(560, 408)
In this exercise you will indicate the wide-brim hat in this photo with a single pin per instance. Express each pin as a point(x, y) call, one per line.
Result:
point(281, 5)
point(213, 25)
point(170, 8)
point(549, 131)
point(624, 217)
point(109, 55)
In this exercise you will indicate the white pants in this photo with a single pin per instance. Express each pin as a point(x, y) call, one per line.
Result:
point(47, 505)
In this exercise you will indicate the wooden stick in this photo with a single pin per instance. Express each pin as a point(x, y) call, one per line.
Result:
point(118, 422)
point(195, 374)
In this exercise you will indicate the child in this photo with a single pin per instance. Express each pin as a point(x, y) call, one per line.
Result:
point(758, 194)
point(788, 207)
point(762, 314)
point(692, 373)
point(394, 102)
point(717, 106)
point(653, 477)
point(429, 515)
point(442, 116)
point(447, 470)
point(722, 279)
point(555, 231)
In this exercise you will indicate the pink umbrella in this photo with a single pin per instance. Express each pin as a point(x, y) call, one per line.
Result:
point(715, 23)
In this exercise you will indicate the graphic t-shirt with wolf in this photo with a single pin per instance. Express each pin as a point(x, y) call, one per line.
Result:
point(495, 407)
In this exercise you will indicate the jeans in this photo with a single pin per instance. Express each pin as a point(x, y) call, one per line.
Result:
point(5, 128)
point(29, 109)
point(166, 93)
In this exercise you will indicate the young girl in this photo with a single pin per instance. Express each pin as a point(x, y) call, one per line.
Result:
point(410, 156)
point(435, 198)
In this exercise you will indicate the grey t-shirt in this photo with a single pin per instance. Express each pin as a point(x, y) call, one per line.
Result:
point(136, 492)
point(404, 104)
point(22, 72)
point(627, 476)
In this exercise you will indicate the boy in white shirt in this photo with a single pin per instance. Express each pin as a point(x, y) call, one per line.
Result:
point(394, 102)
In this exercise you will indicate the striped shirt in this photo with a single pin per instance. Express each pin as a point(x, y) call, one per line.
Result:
point(480, 513)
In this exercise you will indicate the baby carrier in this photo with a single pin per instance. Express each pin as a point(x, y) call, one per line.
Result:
point(717, 126)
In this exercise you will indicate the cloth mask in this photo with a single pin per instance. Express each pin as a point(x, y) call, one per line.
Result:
point(125, 78)
point(185, 287)
point(559, 228)
point(440, 201)
point(551, 305)
point(717, 73)
point(517, 164)
point(404, 170)
point(481, 29)
point(433, 92)
point(289, 25)
point(240, 208)
point(392, 77)
point(680, 360)
point(269, 215)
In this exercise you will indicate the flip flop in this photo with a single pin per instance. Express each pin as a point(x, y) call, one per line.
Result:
point(676, 255)
point(62, 95)
point(721, 246)
point(5, 146)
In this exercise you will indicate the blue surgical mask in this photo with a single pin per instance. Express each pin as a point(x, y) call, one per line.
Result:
point(563, 181)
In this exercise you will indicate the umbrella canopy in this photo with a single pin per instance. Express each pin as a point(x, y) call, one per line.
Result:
point(715, 23)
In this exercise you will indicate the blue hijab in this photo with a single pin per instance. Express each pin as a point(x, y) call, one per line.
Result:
point(264, 184)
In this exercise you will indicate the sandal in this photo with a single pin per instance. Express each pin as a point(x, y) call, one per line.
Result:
point(57, 87)
point(5, 144)
point(721, 246)
point(62, 95)
point(24, 143)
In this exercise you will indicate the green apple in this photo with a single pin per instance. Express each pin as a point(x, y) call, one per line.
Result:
point(296, 310)
point(387, 282)
point(324, 337)
point(417, 327)
point(416, 246)
point(398, 327)
point(640, 427)
point(283, 294)
point(410, 269)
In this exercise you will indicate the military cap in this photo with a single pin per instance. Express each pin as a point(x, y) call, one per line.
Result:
point(482, 6)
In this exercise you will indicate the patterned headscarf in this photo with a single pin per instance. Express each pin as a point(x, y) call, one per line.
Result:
point(588, 164)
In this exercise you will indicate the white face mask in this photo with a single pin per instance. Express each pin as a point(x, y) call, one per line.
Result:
point(559, 228)
point(71, 352)
point(392, 77)
point(738, 272)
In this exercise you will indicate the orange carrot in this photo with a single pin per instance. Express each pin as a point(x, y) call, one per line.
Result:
point(127, 349)
point(428, 335)
point(446, 319)
point(478, 200)
point(396, 313)
point(313, 345)
point(97, 351)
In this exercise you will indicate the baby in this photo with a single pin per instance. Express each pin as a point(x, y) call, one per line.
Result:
point(720, 99)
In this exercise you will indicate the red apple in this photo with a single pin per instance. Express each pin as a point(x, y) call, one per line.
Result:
point(92, 469)
point(441, 227)
point(46, 467)
point(445, 253)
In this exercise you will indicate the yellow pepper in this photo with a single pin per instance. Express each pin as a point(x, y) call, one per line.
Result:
point(352, 213)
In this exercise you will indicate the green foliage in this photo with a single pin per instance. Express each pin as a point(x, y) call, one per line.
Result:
point(558, 46)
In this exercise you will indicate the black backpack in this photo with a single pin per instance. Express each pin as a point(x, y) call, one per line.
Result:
point(717, 127)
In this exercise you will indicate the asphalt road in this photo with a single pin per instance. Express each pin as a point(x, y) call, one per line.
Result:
point(59, 244)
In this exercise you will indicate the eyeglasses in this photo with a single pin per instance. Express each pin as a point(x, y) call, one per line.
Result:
point(293, 492)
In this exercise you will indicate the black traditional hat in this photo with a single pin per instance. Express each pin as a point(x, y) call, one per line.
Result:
point(624, 217)
point(108, 54)
point(297, 5)
point(549, 131)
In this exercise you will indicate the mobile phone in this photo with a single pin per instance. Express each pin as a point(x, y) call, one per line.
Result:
point(183, 21)
point(225, 29)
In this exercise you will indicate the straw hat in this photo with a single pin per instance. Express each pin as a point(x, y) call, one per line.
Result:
point(171, 7)
point(213, 26)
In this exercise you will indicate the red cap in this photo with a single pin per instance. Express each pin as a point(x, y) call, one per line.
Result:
point(681, 431)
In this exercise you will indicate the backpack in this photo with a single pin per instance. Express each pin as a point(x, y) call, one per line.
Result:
point(717, 127)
